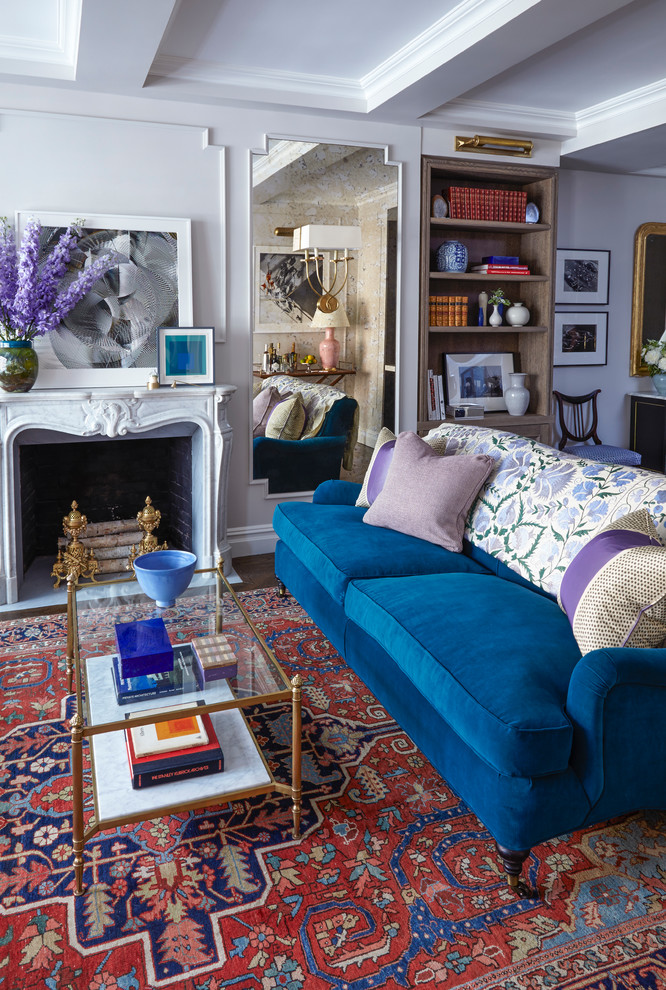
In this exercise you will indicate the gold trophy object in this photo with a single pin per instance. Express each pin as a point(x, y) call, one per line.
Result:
point(148, 519)
point(75, 560)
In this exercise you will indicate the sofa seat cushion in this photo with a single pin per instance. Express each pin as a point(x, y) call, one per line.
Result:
point(494, 658)
point(334, 543)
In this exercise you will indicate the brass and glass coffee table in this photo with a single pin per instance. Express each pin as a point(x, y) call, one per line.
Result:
point(209, 605)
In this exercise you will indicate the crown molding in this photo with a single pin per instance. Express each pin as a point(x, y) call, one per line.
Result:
point(270, 85)
point(528, 121)
point(632, 102)
point(54, 56)
point(466, 23)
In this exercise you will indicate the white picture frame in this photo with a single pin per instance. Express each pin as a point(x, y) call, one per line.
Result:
point(478, 378)
point(186, 355)
point(581, 277)
point(151, 288)
point(580, 339)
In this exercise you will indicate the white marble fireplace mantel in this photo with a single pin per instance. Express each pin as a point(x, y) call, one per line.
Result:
point(54, 415)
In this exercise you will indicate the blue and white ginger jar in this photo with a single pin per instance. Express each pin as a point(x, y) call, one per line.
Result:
point(451, 257)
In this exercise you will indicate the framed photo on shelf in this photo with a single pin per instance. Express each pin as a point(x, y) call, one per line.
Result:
point(580, 339)
point(581, 277)
point(110, 337)
point(481, 378)
point(186, 355)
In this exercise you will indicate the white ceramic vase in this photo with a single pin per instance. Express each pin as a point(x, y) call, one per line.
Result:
point(495, 319)
point(516, 396)
point(517, 315)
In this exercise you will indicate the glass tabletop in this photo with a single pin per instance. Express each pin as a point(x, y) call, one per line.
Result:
point(243, 670)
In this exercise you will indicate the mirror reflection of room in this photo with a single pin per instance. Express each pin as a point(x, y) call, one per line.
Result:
point(323, 352)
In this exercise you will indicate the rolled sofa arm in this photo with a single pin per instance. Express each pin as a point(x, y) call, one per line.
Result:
point(616, 699)
point(337, 493)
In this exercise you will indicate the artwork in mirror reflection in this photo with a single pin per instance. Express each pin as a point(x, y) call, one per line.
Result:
point(295, 184)
point(283, 298)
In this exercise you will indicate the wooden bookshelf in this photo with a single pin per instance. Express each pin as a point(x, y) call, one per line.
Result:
point(533, 243)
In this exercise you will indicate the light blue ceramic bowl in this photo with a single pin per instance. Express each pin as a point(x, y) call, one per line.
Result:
point(165, 574)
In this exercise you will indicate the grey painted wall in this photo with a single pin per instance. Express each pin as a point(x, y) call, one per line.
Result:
point(603, 210)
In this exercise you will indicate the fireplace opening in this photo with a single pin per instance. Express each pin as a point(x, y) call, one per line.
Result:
point(110, 480)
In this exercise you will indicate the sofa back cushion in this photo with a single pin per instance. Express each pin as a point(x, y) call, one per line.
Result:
point(426, 495)
point(539, 507)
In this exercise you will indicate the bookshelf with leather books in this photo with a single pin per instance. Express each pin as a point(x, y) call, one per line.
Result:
point(479, 194)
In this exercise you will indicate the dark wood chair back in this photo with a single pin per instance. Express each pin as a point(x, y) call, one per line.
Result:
point(578, 418)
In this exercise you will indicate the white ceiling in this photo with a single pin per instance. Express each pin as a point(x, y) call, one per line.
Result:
point(588, 73)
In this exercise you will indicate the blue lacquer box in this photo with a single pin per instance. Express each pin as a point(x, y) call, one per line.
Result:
point(143, 647)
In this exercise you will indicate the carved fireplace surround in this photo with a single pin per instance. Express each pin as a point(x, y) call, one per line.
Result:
point(53, 416)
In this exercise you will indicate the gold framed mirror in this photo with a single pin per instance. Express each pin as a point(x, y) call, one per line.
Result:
point(648, 311)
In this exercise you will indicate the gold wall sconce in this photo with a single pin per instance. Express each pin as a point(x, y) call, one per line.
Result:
point(485, 145)
point(325, 278)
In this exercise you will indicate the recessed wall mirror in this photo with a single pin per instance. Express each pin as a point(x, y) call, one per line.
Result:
point(325, 245)
point(648, 315)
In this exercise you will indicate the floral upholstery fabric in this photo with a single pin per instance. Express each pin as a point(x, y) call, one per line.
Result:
point(317, 399)
point(538, 509)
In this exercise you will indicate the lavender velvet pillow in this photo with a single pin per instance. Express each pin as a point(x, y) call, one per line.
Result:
point(263, 405)
point(375, 476)
point(427, 495)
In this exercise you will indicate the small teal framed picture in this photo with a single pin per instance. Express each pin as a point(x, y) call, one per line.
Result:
point(186, 355)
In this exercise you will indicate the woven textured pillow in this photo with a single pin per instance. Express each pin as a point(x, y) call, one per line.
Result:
point(382, 455)
point(426, 495)
point(614, 589)
point(287, 420)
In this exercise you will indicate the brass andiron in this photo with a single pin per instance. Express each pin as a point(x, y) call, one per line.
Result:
point(148, 519)
point(75, 559)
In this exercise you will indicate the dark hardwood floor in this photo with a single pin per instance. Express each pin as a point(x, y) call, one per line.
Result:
point(255, 572)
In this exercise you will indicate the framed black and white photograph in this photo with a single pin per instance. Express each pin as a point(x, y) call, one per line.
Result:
point(580, 338)
point(581, 277)
point(186, 355)
point(110, 337)
point(479, 378)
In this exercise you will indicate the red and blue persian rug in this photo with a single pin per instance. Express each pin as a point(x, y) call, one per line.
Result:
point(394, 883)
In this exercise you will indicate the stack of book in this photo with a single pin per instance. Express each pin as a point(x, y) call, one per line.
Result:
point(472, 203)
point(501, 265)
point(183, 678)
point(448, 311)
point(214, 657)
point(437, 404)
point(180, 747)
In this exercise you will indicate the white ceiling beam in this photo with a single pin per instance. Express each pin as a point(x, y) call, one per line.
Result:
point(478, 50)
point(119, 41)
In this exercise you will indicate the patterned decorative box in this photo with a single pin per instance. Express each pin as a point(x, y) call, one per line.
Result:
point(215, 657)
point(143, 647)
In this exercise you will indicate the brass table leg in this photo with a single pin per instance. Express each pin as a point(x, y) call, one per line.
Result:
point(296, 686)
point(69, 658)
point(76, 726)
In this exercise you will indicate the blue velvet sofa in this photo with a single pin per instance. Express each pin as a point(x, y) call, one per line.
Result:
point(471, 653)
point(302, 465)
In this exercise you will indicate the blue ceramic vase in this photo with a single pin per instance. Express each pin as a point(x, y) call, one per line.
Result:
point(451, 257)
